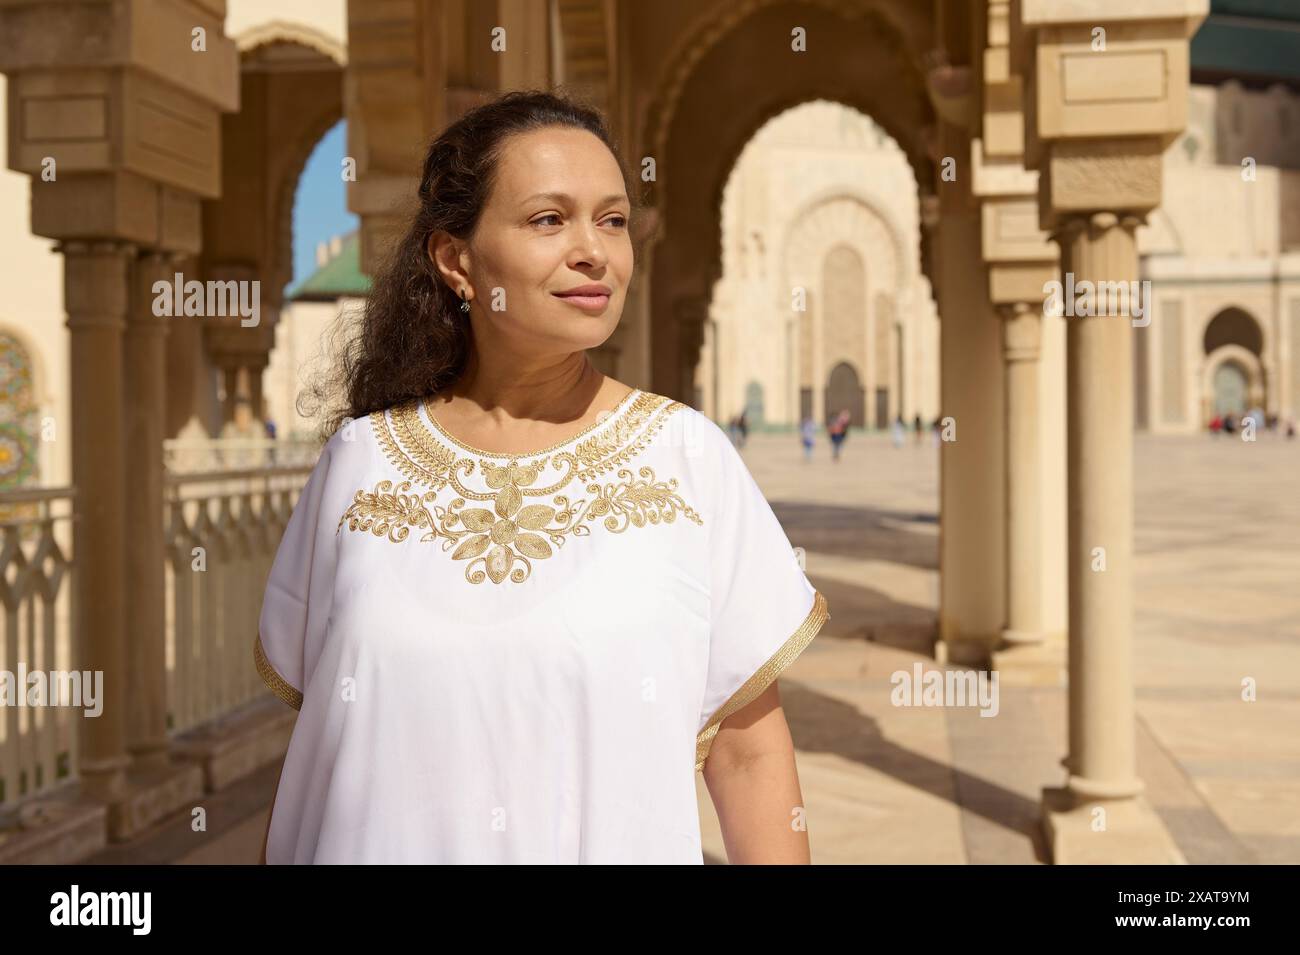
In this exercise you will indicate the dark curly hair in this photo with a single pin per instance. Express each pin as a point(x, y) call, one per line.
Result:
point(411, 340)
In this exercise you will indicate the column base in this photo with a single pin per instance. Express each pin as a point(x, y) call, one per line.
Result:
point(104, 779)
point(967, 651)
point(239, 745)
point(1043, 663)
point(153, 793)
point(150, 755)
point(59, 829)
point(1022, 637)
point(73, 823)
point(1132, 835)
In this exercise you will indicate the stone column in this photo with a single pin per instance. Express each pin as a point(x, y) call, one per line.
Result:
point(691, 313)
point(972, 568)
point(230, 382)
point(633, 331)
point(792, 396)
point(1021, 339)
point(816, 361)
point(255, 373)
point(395, 95)
point(145, 555)
point(1021, 260)
point(1102, 784)
point(96, 280)
point(130, 128)
point(1106, 95)
point(526, 62)
point(1099, 415)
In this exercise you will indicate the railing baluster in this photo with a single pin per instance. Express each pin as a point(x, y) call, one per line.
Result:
point(237, 514)
point(37, 637)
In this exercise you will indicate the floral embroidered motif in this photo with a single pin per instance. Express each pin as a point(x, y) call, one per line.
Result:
point(509, 532)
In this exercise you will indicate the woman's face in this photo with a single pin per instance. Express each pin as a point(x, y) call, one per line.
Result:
point(556, 220)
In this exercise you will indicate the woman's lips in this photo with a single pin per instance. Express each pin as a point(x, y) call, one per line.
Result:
point(589, 303)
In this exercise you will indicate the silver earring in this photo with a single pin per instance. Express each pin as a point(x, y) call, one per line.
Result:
point(464, 302)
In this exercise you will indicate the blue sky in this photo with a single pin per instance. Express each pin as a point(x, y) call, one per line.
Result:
point(320, 209)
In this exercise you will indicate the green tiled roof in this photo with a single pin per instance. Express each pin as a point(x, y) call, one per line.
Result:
point(1265, 9)
point(1251, 39)
point(338, 277)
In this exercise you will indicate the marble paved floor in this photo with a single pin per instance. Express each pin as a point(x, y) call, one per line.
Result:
point(1217, 594)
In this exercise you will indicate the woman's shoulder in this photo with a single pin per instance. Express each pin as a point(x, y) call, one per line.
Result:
point(679, 424)
point(352, 441)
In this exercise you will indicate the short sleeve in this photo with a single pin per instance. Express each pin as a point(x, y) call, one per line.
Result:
point(763, 610)
point(298, 593)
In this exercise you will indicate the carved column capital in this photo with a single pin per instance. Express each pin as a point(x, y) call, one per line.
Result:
point(1067, 227)
point(1022, 331)
point(96, 281)
point(151, 267)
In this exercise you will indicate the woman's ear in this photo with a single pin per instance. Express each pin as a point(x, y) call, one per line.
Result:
point(443, 253)
point(450, 260)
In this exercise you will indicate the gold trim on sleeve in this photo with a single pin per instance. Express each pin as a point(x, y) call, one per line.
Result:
point(763, 677)
point(281, 687)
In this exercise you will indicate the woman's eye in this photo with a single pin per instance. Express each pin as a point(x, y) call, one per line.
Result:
point(619, 222)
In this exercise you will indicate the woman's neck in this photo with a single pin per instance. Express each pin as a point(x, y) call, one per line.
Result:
point(556, 394)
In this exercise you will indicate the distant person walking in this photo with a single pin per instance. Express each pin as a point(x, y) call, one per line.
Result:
point(742, 425)
point(1256, 415)
point(807, 434)
point(917, 428)
point(898, 430)
point(838, 430)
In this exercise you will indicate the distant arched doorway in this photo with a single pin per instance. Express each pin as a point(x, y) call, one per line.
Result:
point(844, 390)
point(1229, 384)
point(1232, 375)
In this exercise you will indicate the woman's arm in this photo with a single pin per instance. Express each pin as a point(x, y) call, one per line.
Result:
point(751, 777)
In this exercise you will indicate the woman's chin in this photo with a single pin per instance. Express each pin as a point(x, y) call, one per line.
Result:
point(584, 331)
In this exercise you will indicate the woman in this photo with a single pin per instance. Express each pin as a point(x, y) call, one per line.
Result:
point(518, 600)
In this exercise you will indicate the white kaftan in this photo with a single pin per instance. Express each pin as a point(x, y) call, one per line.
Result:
point(520, 658)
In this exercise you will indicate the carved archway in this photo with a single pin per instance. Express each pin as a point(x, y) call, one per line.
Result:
point(291, 95)
point(705, 110)
point(840, 220)
point(294, 34)
point(844, 390)
point(1233, 326)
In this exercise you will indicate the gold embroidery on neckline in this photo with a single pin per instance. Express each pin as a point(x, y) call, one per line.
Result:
point(510, 532)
